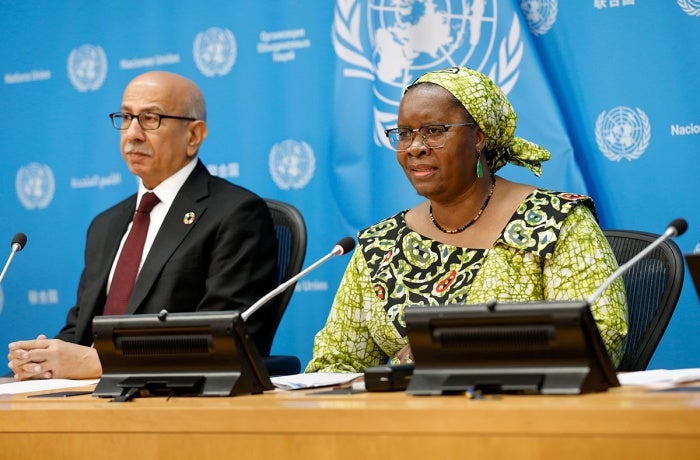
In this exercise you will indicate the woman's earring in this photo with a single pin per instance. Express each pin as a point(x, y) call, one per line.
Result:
point(479, 167)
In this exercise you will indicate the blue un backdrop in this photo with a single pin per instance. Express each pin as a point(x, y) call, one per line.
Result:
point(299, 92)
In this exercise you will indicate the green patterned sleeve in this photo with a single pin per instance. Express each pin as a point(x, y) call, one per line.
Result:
point(581, 262)
point(345, 343)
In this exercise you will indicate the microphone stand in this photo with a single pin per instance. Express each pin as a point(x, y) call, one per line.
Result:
point(15, 249)
point(263, 300)
point(671, 231)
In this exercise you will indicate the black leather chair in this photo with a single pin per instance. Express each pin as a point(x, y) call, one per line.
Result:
point(291, 250)
point(653, 287)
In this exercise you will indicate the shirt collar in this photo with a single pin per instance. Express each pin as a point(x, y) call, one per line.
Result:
point(167, 190)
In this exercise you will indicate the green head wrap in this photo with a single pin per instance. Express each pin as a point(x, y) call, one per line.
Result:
point(494, 114)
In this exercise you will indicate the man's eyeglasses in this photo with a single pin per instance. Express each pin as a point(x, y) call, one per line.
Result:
point(434, 136)
point(147, 120)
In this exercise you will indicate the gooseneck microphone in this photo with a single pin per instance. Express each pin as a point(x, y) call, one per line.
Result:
point(342, 247)
point(675, 228)
point(18, 243)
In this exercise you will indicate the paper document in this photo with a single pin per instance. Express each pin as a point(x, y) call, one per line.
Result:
point(659, 377)
point(313, 380)
point(30, 386)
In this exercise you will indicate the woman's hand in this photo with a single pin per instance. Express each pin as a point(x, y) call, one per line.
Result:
point(405, 355)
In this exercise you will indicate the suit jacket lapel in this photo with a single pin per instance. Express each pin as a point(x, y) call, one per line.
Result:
point(94, 295)
point(171, 233)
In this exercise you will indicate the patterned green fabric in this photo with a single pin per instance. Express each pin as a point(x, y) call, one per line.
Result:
point(551, 249)
point(494, 114)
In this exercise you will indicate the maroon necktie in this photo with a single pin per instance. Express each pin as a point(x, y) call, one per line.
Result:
point(130, 258)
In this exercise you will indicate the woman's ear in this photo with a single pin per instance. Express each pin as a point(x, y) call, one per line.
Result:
point(479, 139)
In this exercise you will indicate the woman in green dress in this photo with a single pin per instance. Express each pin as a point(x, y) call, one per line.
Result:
point(476, 237)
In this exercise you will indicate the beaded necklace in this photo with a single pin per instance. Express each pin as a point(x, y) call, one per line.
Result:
point(470, 223)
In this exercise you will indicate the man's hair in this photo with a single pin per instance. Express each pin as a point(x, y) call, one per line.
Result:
point(196, 107)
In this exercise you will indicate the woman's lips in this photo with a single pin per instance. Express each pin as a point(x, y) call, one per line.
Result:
point(420, 171)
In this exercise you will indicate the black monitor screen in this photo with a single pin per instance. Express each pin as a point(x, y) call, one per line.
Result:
point(538, 347)
point(203, 353)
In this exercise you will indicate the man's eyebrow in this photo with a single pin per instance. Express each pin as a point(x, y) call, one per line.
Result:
point(150, 108)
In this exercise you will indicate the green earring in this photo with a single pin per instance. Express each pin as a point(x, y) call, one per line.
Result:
point(479, 168)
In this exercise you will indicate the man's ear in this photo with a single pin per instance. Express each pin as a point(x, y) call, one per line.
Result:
point(197, 133)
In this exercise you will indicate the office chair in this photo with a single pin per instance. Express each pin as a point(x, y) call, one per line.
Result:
point(653, 287)
point(290, 229)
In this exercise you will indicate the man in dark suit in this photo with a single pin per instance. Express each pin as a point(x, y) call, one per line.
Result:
point(210, 245)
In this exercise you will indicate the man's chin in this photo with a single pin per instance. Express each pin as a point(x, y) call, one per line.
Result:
point(138, 169)
point(137, 162)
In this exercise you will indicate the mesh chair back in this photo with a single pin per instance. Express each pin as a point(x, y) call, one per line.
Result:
point(290, 229)
point(291, 250)
point(653, 287)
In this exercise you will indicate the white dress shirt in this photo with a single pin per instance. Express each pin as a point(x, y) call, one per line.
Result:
point(166, 192)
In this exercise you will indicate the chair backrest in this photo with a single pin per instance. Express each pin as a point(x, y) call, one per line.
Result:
point(291, 250)
point(653, 286)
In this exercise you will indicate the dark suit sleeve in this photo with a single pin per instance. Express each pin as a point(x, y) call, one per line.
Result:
point(225, 260)
point(242, 266)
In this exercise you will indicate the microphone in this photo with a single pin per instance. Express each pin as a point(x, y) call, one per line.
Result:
point(675, 228)
point(342, 247)
point(18, 243)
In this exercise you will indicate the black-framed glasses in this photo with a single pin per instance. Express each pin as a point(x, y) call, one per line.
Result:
point(147, 120)
point(434, 136)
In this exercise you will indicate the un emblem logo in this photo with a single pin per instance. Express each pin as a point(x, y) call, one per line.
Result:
point(405, 38)
point(87, 68)
point(214, 51)
point(622, 133)
point(539, 14)
point(292, 164)
point(690, 7)
point(35, 186)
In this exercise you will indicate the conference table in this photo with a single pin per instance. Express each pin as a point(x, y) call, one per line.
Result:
point(624, 422)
